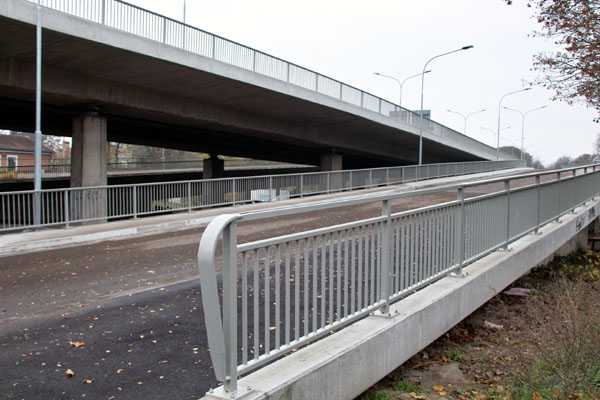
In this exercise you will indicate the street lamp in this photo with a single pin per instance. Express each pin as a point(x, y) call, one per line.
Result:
point(37, 151)
point(499, 111)
point(523, 123)
point(466, 117)
point(493, 131)
point(422, 89)
point(401, 83)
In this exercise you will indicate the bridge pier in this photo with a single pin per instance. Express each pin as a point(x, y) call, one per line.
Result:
point(331, 162)
point(213, 168)
point(88, 167)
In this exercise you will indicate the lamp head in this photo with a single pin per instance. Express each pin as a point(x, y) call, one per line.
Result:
point(467, 47)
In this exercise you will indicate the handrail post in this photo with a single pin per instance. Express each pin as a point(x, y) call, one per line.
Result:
point(539, 199)
point(66, 207)
point(460, 233)
point(387, 176)
point(301, 185)
point(351, 186)
point(507, 189)
point(386, 249)
point(134, 188)
point(370, 178)
point(233, 190)
point(103, 11)
point(230, 306)
point(271, 188)
point(558, 197)
point(189, 191)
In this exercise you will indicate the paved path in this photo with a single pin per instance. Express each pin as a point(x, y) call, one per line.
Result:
point(124, 314)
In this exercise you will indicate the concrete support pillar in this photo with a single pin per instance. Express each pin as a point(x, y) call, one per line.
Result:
point(214, 192)
point(331, 162)
point(88, 167)
point(213, 168)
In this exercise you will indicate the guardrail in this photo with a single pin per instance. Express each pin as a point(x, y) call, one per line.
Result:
point(280, 293)
point(101, 203)
point(26, 172)
point(126, 17)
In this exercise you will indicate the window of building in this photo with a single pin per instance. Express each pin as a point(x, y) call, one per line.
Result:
point(12, 163)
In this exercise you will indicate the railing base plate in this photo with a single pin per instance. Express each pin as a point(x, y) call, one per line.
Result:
point(220, 393)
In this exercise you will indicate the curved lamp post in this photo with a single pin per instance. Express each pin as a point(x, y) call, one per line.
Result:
point(493, 131)
point(523, 114)
point(422, 89)
point(401, 83)
point(499, 111)
point(466, 117)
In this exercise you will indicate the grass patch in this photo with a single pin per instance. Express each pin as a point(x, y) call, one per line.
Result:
point(405, 386)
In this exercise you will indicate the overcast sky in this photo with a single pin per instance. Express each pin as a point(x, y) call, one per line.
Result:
point(349, 40)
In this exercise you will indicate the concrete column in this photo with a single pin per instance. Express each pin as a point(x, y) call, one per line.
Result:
point(213, 168)
point(331, 162)
point(214, 192)
point(88, 167)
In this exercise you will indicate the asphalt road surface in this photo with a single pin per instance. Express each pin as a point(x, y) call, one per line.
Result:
point(123, 317)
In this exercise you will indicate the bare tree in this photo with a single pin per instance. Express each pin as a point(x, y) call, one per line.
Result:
point(573, 71)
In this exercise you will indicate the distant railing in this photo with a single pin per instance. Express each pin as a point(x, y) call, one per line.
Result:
point(101, 203)
point(50, 171)
point(126, 17)
point(282, 292)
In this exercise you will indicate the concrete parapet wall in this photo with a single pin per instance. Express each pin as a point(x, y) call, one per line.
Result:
point(348, 362)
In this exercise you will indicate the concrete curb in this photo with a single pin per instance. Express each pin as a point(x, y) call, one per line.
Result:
point(347, 363)
point(78, 239)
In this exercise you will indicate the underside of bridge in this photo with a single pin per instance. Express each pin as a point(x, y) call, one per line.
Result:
point(144, 92)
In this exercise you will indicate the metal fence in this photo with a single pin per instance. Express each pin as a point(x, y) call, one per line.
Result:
point(49, 171)
point(280, 293)
point(101, 203)
point(138, 21)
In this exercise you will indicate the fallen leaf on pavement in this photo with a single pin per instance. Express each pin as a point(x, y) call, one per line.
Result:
point(69, 373)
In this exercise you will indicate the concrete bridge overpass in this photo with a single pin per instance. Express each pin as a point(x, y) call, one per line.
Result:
point(112, 71)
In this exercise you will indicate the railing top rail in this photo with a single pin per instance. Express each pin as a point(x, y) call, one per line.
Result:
point(245, 177)
point(376, 197)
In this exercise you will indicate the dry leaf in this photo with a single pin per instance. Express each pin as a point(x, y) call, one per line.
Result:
point(76, 344)
point(70, 373)
point(438, 388)
point(442, 393)
point(416, 396)
point(537, 396)
point(87, 381)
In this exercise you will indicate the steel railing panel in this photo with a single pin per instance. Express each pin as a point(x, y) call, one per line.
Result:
point(121, 201)
point(297, 287)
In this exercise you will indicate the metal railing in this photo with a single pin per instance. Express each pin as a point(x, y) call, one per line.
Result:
point(49, 171)
point(280, 293)
point(101, 203)
point(126, 17)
